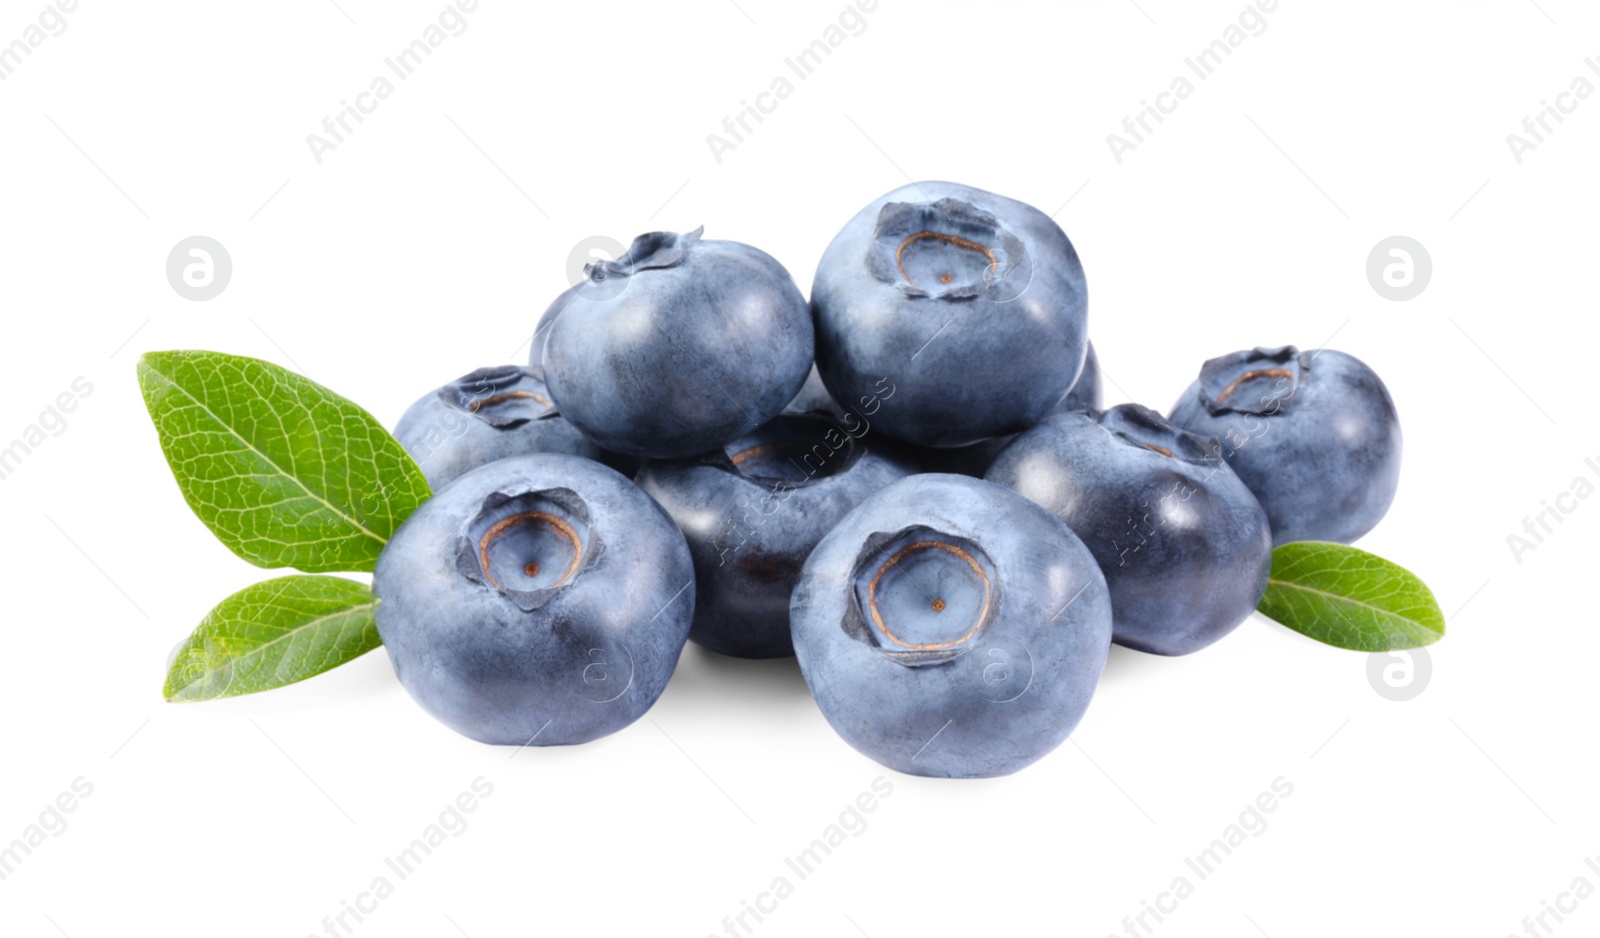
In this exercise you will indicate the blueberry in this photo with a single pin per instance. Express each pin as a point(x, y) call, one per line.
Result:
point(489, 414)
point(1314, 435)
point(974, 459)
point(971, 304)
point(1183, 544)
point(678, 346)
point(537, 600)
point(752, 512)
point(949, 627)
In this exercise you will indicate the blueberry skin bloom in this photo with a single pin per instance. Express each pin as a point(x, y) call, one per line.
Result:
point(489, 414)
point(539, 600)
point(752, 512)
point(951, 628)
point(1183, 544)
point(1313, 434)
point(971, 305)
point(678, 346)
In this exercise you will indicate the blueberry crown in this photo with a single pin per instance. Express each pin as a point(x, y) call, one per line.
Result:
point(1140, 426)
point(504, 396)
point(921, 596)
point(947, 249)
point(649, 251)
point(528, 544)
point(1260, 381)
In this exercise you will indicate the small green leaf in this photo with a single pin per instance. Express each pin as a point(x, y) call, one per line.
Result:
point(285, 472)
point(274, 633)
point(1349, 598)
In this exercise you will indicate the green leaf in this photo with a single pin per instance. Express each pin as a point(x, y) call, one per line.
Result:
point(274, 633)
point(1349, 598)
point(285, 472)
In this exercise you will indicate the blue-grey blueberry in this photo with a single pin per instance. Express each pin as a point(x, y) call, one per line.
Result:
point(678, 346)
point(492, 413)
point(1313, 434)
point(1184, 546)
point(949, 627)
point(972, 304)
point(537, 600)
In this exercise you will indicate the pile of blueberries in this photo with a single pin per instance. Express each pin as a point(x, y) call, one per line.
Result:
point(908, 483)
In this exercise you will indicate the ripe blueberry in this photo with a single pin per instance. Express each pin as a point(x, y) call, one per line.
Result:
point(489, 414)
point(678, 346)
point(537, 600)
point(949, 627)
point(1313, 434)
point(972, 304)
point(1183, 544)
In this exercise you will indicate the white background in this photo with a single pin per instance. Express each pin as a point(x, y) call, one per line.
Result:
point(427, 244)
